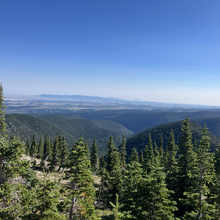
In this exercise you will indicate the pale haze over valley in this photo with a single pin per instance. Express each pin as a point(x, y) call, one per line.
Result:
point(157, 51)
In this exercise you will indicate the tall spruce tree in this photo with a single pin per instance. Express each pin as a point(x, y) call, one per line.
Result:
point(134, 156)
point(82, 190)
point(115, 181)
point(94, 159)
point(28, 146)
point(40, 148)
point(141, 157)
point(171, 163)
point(109, 154)
point(63, 153)
point(104, 177)
point(55, 162)
point(156, 201)
point(198, 193)
point(148, 156)
point(123, 152)
point(215, 186)
point(33, 150)
point(186, 170)
point(132, 193)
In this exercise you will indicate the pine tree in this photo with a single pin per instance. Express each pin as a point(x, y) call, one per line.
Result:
point(148, 156)
point(33, 150)
point(156, 152)
point(186, 170)
point(171, 162)
point(28, 146)
point(134, 156)
point(116, 208)
point(161, 150)
point(63, 153)
point(215, 186)
point(132, 191)
point(197, 196)
point(115, 181)
point(104, 177)
point(40, 148)
point(123, 152)
point(109, 154)
point(16, 182)
point(94, 157)
point(141, 157)
point(3, 130)
point(156, 202)
point(47, 201)
point(55, 162)
point(82, 191)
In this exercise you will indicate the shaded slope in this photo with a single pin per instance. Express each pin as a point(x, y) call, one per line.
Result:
point(213, 124)
point(26, 126)
point(113, 126)
point(139, 141)
point(137, 120)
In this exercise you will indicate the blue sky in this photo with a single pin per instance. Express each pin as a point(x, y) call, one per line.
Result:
point(153, 50)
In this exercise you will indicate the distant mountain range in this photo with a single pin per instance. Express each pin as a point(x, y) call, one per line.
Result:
point(82, 98)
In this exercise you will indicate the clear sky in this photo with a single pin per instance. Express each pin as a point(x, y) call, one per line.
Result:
point(153, 50)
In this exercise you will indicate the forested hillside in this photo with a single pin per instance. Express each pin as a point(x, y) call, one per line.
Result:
point(212, 123)
point(137, 120)
point(72, 127)
point(139, 141)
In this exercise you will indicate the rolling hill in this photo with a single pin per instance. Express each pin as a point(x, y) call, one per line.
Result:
point(54, 125)
point(140, 140)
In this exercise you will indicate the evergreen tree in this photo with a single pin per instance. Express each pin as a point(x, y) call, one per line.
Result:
point(55, 162)
point(215, 186)
point(171, 162)
point(82, 191)
point(94, 157)
point(123, 152)
point(186, 170)
point(47, 201)
point(33, 150)
point(148, 156)
point(195, 144)
point(161, 150)
point(156, 152)
point(132, 191)
point(40, 148)
point(109, 154)
point(16, 182)
point(3, 130)
point(141, 157)
point(28, 146)
point(156, 202)
point(134, 156)
point(104, 177)
point(116, 208)
point(115, 181)
point(198, 196)
point(63, 153)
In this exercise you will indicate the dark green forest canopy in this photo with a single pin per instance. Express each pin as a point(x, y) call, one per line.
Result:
point(139, 141)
